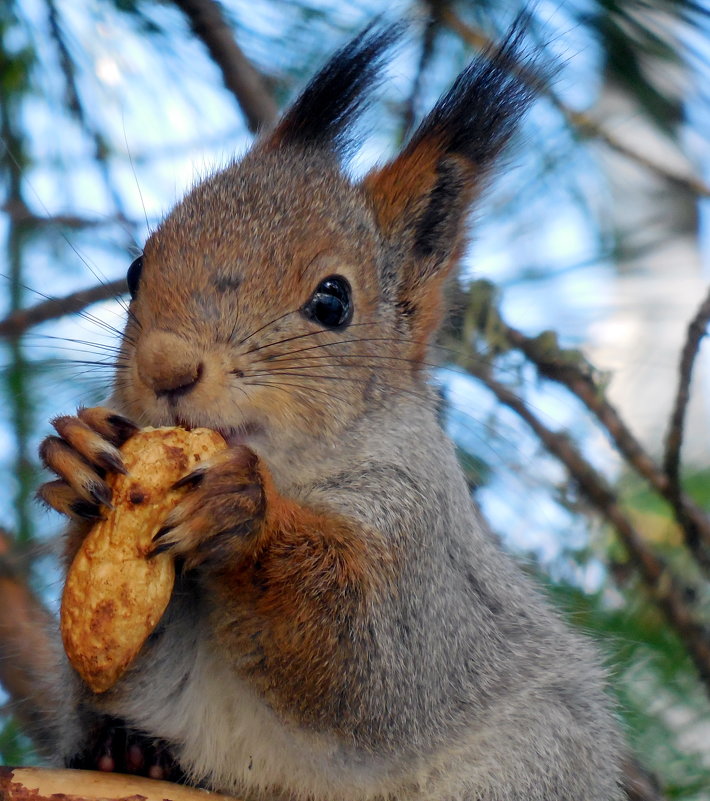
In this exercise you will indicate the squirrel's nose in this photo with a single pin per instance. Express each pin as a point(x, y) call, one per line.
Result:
point(166, 364)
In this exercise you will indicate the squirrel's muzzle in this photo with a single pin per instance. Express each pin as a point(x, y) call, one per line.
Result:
point(168, 364)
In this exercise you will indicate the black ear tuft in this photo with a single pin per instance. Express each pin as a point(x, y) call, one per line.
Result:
point(438, 226)
point(478, 115)
point(421, 198)
point(323, 115)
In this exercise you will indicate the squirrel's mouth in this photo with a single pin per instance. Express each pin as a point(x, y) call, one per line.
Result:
point(243, 434)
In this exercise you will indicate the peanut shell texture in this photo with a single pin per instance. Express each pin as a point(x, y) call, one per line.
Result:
point(115, 595)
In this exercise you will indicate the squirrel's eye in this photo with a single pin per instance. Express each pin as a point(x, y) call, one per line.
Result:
point(133, 276)
point(331, 303)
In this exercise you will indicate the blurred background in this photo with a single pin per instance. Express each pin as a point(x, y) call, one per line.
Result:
point(571, 374)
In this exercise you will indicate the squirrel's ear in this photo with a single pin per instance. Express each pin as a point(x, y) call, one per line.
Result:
point(322, 117)
point(421, 199)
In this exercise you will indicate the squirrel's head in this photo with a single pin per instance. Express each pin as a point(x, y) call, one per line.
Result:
point(280, 300)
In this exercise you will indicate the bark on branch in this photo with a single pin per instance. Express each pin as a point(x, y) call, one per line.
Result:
point(665, 588)
point(697, 329)
point(551, 364)
point(17, 323)
point(21, 213)
point(240, 77)
point(569, 368)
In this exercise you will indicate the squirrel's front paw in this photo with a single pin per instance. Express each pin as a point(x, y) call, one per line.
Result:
point(222, 511)
point(85, 450)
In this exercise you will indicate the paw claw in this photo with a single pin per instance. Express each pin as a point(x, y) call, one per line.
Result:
point(216, 517)
point(162, 532)
point(162, 547)
point(86, 510)
point(123, 427)
point(112, 462)
point(191, 479)
point(167, 538)
point(101, 494)
point(81, 456)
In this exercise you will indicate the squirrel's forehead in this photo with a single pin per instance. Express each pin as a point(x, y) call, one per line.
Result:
point(261, 213)
point(273, 189)
point(259, 202)
point(265, 195)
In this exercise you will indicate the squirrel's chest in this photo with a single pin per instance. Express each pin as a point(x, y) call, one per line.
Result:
point(223, 734)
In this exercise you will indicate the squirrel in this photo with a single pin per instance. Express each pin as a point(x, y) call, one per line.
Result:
point(344, 625)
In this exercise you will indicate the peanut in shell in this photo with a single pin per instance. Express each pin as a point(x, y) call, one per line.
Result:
point(115, 595)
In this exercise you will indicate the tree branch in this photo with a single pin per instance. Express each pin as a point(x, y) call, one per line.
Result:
point(555, 364)
point(665, 588)
point(639, 784)
point(75, 105)
point(579, 120)
point(432, 27)
point(570, 368)
point(21, 213)
point(240, 77)
point(697, 329)
point(588, 126)
point(18, 322)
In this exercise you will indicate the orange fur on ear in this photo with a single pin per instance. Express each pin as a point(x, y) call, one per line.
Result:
point(398, 187)
point(420, 200)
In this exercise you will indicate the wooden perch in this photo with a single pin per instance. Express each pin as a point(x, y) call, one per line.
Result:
point(38, 784)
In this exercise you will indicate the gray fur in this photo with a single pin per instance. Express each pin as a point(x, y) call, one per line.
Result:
point(468, 685)
point(460, 683)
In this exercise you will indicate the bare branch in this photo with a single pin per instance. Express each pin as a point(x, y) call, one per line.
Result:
point(240, 77)
point(557, 365)
point(429, 35)
point(66, 63)
point(18, 322)
point(74, 102)
point(639, 784)
point(664, 587)
point(19, 212)
point(579, 120)
point(697, 329)
point(588, 126)
point(569, 368)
